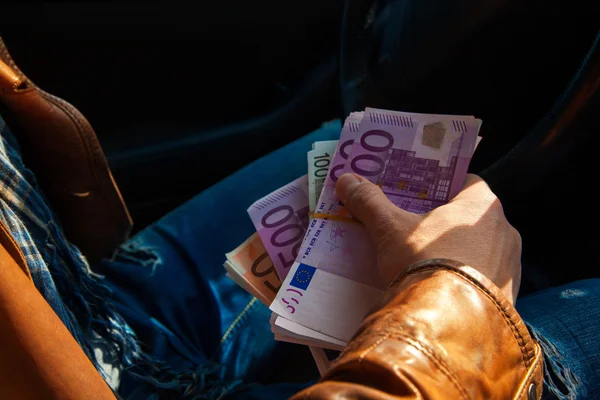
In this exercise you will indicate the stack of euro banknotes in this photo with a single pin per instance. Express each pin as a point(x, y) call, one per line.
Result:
point(309, 260)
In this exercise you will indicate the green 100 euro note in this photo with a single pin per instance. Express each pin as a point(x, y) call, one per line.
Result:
point(319, 159)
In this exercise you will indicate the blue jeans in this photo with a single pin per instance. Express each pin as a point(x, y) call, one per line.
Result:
point(169, 284)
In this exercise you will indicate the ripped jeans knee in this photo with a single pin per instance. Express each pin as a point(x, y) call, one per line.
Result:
point(135, 250)
point(559, 379)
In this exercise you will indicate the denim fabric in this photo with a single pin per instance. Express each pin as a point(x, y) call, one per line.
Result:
point(169, 284)
point(566, 322)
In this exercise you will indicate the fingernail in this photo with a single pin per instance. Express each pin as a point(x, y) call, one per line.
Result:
point(345, 185)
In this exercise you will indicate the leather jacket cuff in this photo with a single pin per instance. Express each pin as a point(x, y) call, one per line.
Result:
point(444, 330)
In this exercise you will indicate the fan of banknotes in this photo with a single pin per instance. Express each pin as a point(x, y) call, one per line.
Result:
point(309, 260)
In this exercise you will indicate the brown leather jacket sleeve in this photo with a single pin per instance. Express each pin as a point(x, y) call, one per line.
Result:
point(39, 359)
point(445, 332)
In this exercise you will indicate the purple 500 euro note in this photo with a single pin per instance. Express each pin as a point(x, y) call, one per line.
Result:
point(420, 161)
point(280, 219)
point(342, 153)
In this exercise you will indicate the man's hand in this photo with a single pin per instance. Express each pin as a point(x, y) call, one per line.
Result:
point(471, 229)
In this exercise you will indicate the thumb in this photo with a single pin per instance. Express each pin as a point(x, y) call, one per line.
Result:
point(367, 203)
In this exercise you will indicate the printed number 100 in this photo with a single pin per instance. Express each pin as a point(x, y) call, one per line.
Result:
point(322, 165)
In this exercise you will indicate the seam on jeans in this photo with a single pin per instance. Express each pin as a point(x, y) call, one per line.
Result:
point(429, 353)
point(520, 339)
point(237, 319)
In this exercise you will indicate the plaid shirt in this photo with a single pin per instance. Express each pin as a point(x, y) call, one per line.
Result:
point(24, 212)
point(59, 270)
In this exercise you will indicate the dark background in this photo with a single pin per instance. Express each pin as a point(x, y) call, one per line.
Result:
point(181, 95)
